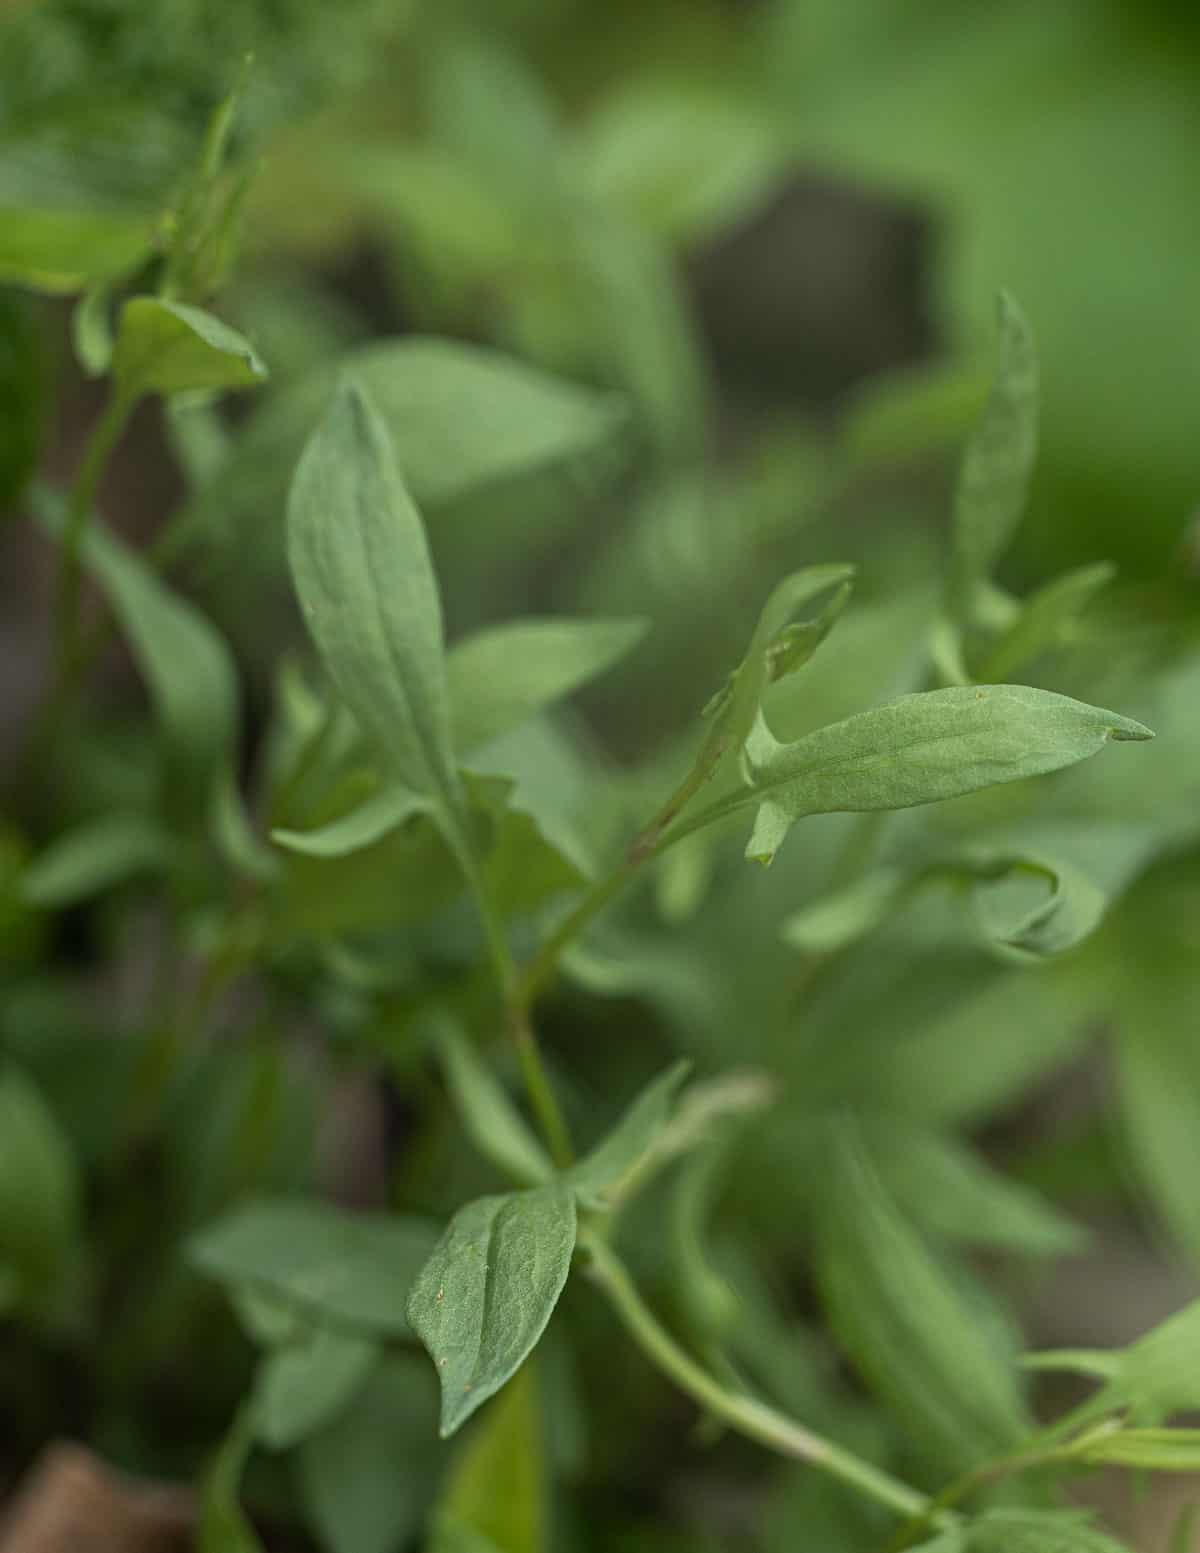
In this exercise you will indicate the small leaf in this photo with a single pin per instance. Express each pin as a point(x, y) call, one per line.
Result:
point(835, 921)
point(1152, 1450)
point(361, 568)
point(496, 1493)
point(367, 1475)
point(224, 1526)
point(234, 834)
point(1039, 1531)
point(303, 1383)
point(906, 1322)
point(499, 677)
point(1045, 619)
point(382, 813)
point(600, 1174)
point(62, 251)
point(92, 329)
point(490, 1119)
point(484, 1297)
point(353, 1270)
point(94, 857)
point(997, 465)
point(919, 749)
point(187, 665)
point(39, 1189)
point(171, 347)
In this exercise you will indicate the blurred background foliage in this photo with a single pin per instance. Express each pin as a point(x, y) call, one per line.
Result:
point(757, 245)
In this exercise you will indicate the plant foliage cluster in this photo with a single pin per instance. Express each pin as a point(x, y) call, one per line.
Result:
point(349, 902)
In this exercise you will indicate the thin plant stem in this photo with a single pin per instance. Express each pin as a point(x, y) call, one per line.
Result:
point(745, 1414)
point(67, 631)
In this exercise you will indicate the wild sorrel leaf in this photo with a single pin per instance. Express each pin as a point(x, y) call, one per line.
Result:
point(484, 1297)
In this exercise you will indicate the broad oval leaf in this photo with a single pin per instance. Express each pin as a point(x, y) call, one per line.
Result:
point(171, 347)
point(503, 675)
point(350, 1270)
point(362, 572)
point(484, 1297)
point(920, 749)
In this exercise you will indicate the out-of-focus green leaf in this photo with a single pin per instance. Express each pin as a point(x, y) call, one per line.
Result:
point(920, 749)
point(495, 1497)
point(1038, 1531)
point(301, 1384)
point(1046, 618)
point(499, 677)
point(361, 568)
point(224, 1525)
point(906, 1323)
point(39, 1190)
point(993, 481)
point(1151, 1450)
point(94, 857)
point(172, 347)
point(351, 1270)
point(490, 1119)
point(92, 329)
point(61, 251)
point(187, 666)
point(375, 818)
point(484, 1297)
point(463, 420)
point(367, 1475)
point(235, 834)
point(601, 1173)
point(942, 1186)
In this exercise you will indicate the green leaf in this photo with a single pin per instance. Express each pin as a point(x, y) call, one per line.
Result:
point(224, 1526)
point(490, 1119)
point(1039, 1531)
point(464, 421)
point(62, 251)
point(1045, 620)
point(171, 347)
point(943, 1186)
point(235, 835)
point(39, 1189)
point(94, 857)
point(352, 1270)
point(906, 1322)
point(361, 568)
point(92, 329)
point(603, 1172)
point(501, 676)
point(381, 814)
point(301, 1384)
point(484, 1297)
point(187, 666)
point(367, 1476)
point(997, 465)
point(919, 749)
point(1152, 1450)
point(496, 1492)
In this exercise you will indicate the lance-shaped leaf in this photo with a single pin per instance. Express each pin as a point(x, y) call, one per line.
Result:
point(373, 819)
point(1045, 619)
point(994, 476)
point(503, 675)
point(599, 1174)
point(170, 347)
point(186, 663)
point(93, 857)
point(362, 572)
point(917, 750)
point(483, 1299)
point(490, 1119)
point(1150, 1450)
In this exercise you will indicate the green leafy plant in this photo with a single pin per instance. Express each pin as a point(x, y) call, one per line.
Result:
point(398, 860)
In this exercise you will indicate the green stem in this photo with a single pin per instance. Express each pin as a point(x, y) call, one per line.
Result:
point(103, 440)
point(755, 1419)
